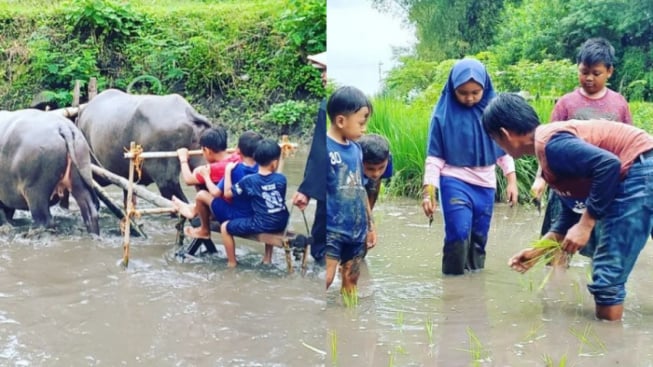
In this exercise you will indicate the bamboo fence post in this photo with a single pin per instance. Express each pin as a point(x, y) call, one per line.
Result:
point(129, 210)
point(92, 88)
point(76, 92)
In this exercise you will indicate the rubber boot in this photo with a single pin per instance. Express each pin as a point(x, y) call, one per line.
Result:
point(476, 254)
point(454, 257)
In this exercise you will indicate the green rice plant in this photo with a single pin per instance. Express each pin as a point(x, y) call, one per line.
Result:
point(428, 326)
point(476, 350)
point(406, 128)
point(391, 361)
point(532, 332)
point(399, 320)
point(547, 251)
point(350, 298)
point(548, 361)
point(334, 347)
point(578, 292)
point(588, 338)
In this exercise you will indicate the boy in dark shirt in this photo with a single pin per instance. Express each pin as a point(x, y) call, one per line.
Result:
point(266, 192)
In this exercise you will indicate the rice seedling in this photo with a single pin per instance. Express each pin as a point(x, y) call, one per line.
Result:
point(399, 320)
point(334, 347)
point(546, 252)
point(428, 326)
point(548, 361)
point(476, 350)
point(588, 338)
point(350, 298)
point(532, 332)
point(391, 361)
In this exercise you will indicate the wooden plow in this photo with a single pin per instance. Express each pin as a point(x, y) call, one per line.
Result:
point(293, 244)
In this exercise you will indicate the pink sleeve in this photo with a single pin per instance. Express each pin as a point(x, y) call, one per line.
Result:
point(507, 164)
point(559, 112)
point(432, 170)
point(628, 117)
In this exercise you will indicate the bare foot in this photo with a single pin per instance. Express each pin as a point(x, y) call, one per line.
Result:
point(232, 265)
point(197, 233)
point(187, 210)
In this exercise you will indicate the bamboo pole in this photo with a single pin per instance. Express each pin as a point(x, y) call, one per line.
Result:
point(129, 209)
point(116, 210)
point(138, 190)
point(76, 92)
point(92, 88)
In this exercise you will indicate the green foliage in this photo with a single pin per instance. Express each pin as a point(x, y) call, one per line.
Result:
point(449, 29)
point(235, 58)
point(103, 20)
point(406, 128)
point(538, 30)
point(285, 113)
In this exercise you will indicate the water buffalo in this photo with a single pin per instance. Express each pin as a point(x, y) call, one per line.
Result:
point(113, 119)
point(42, 155)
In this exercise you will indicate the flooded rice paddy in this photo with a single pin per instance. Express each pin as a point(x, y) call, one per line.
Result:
point(65, 301)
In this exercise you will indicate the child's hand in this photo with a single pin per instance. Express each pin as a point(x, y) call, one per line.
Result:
point(205, 171)
point(182, 153)
point(538, 187)
point(230, 166)
point(428, 202)
point(300, 200)
point(371, 239)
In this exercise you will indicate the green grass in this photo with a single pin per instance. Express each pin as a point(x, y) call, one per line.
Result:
point(406, 127)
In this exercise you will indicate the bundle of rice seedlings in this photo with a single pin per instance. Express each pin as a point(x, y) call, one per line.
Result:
point(547, 252)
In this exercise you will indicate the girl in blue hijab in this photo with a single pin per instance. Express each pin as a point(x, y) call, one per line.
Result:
point(460, 163)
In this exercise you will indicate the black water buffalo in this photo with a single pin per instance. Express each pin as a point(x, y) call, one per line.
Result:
point(113, 119)
point(43, 154)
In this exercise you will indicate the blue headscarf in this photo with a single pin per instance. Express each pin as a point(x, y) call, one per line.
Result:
point(456, 132)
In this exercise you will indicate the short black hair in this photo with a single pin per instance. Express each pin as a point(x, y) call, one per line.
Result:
point(214, 138)
point(511, 112)
point(347, 100)
point(596, 51)
point(267, 151)
point(247, 143)
point(375, 147)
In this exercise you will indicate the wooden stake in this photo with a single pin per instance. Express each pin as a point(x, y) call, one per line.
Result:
point(129, 208)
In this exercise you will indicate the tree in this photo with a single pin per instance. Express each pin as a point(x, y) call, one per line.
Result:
point(449, 28)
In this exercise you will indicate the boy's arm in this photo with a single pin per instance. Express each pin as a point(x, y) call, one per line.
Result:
point(210, 185)
point(187, 176)
point(372, 189)
point(371, 229)
point(228, 193)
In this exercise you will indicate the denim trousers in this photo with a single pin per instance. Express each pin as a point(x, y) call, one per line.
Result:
point(624, 230)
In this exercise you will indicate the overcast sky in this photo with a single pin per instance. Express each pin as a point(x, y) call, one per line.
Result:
point(360, 41)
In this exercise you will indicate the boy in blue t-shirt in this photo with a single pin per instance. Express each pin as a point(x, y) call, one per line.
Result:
point(349, 222)
point(265, 191)
point(211, 201)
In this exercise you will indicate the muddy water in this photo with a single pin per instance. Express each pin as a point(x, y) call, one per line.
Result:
point(410, 315)
point(65, 301)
